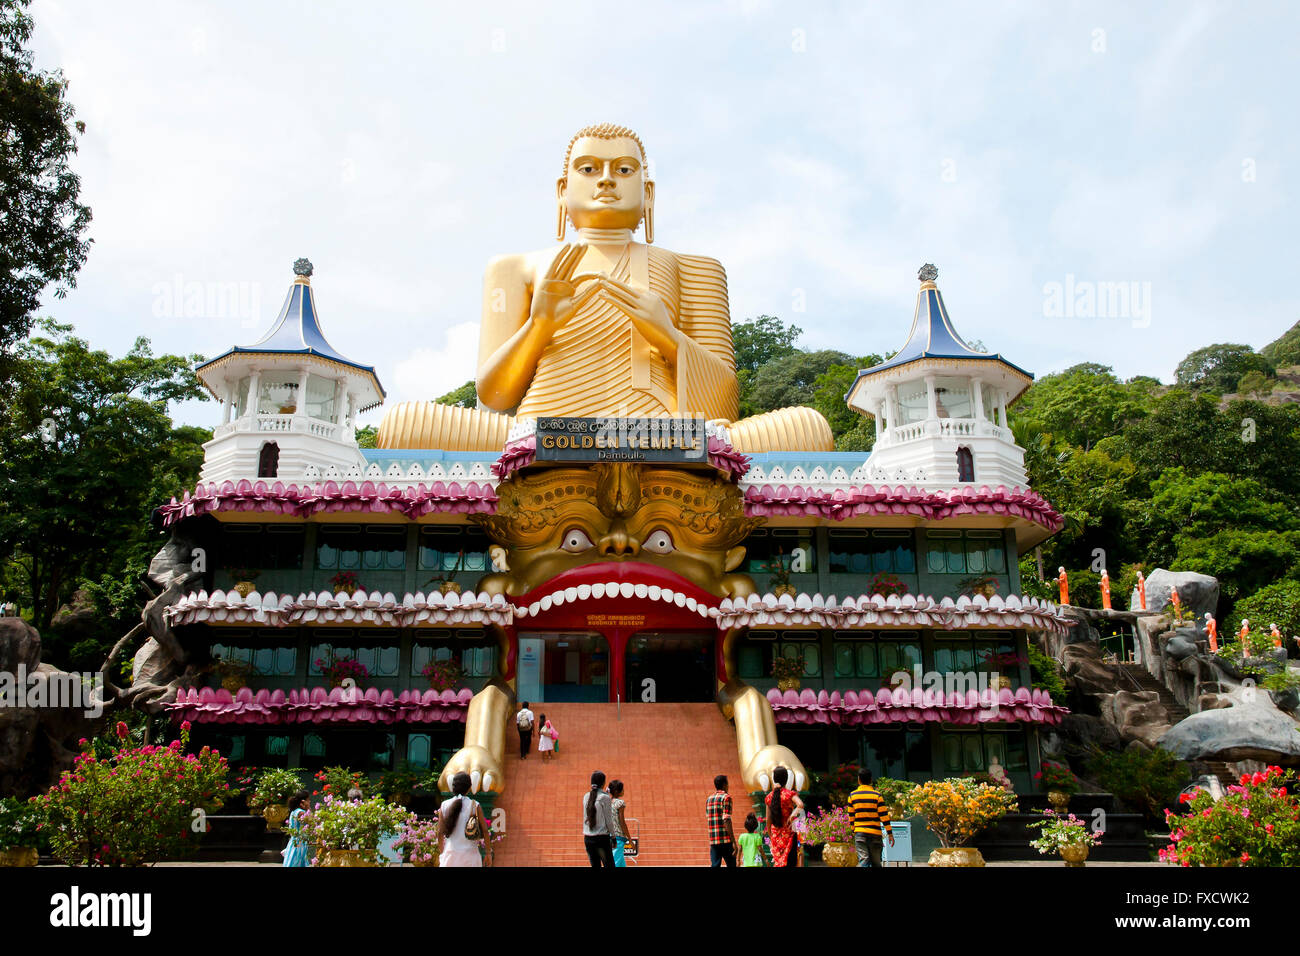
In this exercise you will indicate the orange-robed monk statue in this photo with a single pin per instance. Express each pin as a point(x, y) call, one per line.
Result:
point(602, 326)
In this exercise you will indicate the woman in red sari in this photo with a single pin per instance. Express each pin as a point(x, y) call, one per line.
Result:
point(780, 808)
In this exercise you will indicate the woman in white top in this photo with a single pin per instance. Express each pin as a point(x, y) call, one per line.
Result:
point(454, 848)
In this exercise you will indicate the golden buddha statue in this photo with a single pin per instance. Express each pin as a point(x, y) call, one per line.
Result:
point(606, 326)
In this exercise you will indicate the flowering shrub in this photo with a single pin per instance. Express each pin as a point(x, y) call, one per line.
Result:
point(1256, 823)
point(337, 781)
point(277, 785)
point(1057, 776)
point(20, 823)
point(787, 668)
point(895, 793)
point(443, 675)
point(886, 584)
point(339, 669)
point(337, 824)
point(134, 807)
point(405, 780)
point(419, 840)
point(1062, 831)
point(830, 826)
point(958, 808)
point(345, 581)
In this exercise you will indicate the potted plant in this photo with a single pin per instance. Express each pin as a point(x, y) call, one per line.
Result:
point(399, 786)
point(895, 793)
point(840, 782)
point(20, 832)
point(833, 830)
point(986, 585)
point(446, 579)
point(234, 674)
point(338, 669)
point(779, 570)
point(1067, 835)
point(347, 833)
point(338, 782)
point(443, 675)
point(244, 578)
point(886, 584)
point(788, 671)
point(955, 810)
point(246, 784)
point(274, 788)
point(418, 841)
point(1255, 823)
point(345, 582)
point(1059, 781)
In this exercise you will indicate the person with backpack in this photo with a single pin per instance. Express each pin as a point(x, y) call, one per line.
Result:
point(524, 724)
point(461, 827)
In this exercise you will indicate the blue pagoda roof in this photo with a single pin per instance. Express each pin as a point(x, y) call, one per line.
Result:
point(933, 337)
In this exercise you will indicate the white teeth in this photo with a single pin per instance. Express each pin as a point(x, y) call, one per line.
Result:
point(584, 591)
point(627, 589)
point(534, 608)
point(570, 594)
point(691, 604)
point(668, 596)
point(654, 591)
point(546, 602)
point(642, 590)
point(598, 590)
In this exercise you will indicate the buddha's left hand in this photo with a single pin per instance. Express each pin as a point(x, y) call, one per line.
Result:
point(647, 311)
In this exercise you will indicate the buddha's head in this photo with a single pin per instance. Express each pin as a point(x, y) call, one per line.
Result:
point(604, 184)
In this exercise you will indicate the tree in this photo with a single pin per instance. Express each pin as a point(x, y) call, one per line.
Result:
point(1218, 368)
point(762, 339)
point(366, 436)
point(1277, 603)
point(788, 380)
point(87, 450)
point(1081, 405)
point(853, 431)
point(1285, 349)
point(41, 222)
point(1255, 384)
point(466, 396)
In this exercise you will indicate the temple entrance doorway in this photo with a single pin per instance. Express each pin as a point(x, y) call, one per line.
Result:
point(563, 666)
point(671, 667)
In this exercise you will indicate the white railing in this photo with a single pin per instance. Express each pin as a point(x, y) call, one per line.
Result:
point(947, 428)
point(279, 424)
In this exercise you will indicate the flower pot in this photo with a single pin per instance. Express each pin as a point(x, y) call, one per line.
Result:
point(840, 854)
point(234, 683)
point(18, 856)
point(275, 814)
point(1074, 855)
point(433, 861)
point(956, 856)
point(245, 588)
point(1059, 800)
point(255, 806)
point(788, 683)
point(343, 858)
point(784, 589)
point(449, 587)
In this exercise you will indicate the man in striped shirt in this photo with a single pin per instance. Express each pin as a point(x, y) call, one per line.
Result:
point(870, 815)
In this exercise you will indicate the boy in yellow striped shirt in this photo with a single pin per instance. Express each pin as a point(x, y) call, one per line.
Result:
point(870, 817)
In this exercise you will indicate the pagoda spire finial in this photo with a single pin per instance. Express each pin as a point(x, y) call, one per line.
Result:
point(927, 272)
point(302, 267)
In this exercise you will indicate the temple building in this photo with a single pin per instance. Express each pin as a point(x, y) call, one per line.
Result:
point(598, 565)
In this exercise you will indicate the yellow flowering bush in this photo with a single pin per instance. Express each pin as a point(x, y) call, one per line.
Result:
point(958, 808)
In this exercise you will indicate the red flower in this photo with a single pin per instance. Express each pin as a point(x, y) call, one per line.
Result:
point(1245, 857)
point(122, 730)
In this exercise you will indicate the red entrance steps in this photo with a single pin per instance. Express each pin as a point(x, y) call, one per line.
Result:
point(666, 755)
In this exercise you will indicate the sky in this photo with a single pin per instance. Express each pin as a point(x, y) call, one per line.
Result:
point(1103, 182)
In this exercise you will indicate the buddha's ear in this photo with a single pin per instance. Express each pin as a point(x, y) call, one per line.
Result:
point(734, 557)
point(561, 213)
point(649, 210)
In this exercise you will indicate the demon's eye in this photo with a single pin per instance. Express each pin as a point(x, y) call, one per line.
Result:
point(659, 542)
point(576, 541)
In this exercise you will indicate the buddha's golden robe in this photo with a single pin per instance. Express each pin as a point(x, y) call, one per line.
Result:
point(598, 364)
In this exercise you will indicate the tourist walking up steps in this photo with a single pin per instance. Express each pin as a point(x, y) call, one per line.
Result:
point(546, 738)
point(751, 843)
point(619, 835)
point(870, 816)
point(295, 853)
point(717, 810)
point(524, 724)
point(461, 826)
point(781, 805)
point(598, 823)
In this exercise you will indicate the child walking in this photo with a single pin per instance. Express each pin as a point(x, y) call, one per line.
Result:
point(546, 738)
point(751, 843)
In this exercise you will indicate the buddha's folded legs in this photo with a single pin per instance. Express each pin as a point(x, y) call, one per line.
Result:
point(453, 428)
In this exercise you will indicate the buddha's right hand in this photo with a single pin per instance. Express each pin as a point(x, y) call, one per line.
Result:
point(556, 297)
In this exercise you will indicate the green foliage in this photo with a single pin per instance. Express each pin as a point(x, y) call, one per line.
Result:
point(277, 785)
point(1255, 384)
point(1045, 673)
point(466, 396)
point(135, 806)
point(829, 389)
point(788, 380)
point(405, 780)
point(1218, 368)
point(1081, 405)
point(41, 222)
point(1256, 823)
point(1148, 780)
point(1277, 603)
point(1057, 776)
point(366, 436)
point(337, 781)
point(761, 340)
point(341, 825)
point(88, 440)
point(22, 824)
point(1059, 832)
point(1285, 349)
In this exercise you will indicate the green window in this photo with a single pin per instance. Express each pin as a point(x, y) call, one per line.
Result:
point(453, 548)
point(859, 551)
point(809, 651)
point(965, 552)
point(968, 751)
point(352, 548)
point(261, 547)
point(792, 547)
point(856, 655)
point(378, 661)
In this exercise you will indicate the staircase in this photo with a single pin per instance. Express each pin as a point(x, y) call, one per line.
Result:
point(666, 755)
point(1147, 681)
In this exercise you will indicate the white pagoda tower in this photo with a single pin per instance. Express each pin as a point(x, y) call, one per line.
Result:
point(289, 400)
point(940, 406)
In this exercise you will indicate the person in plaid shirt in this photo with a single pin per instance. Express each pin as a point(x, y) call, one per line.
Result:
point(717, 809)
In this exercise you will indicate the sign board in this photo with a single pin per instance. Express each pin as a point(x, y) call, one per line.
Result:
point(901, 851)
point(678, 440)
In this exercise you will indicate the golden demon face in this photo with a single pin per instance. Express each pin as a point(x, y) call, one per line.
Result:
point(659, 524)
